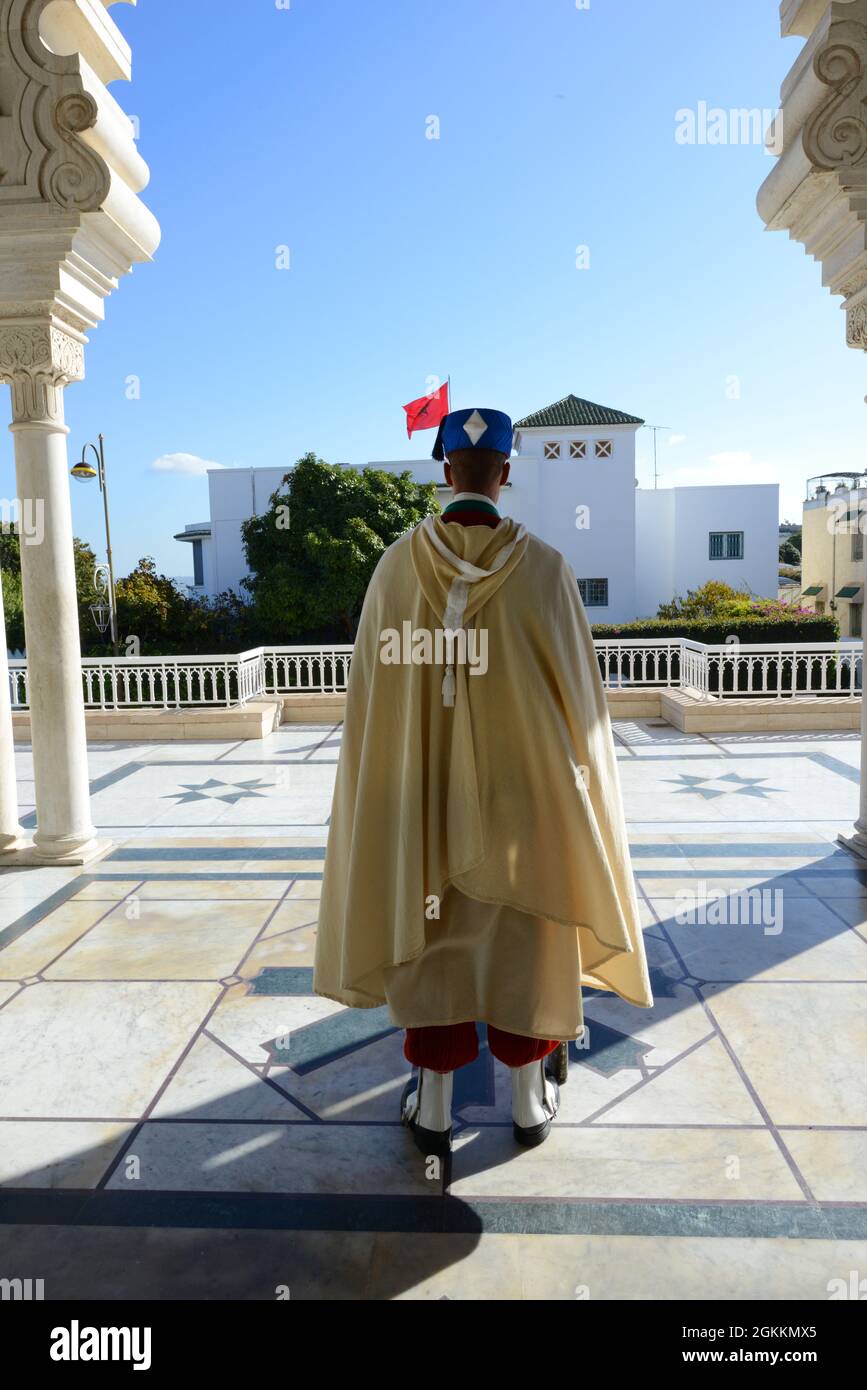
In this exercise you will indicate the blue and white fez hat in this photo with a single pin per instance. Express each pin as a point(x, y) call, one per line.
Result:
point(473, 429)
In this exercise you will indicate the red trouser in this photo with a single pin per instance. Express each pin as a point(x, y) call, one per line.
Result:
point(445, 1049)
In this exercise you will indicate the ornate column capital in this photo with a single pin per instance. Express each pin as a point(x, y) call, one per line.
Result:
point(37, 360)
point(817, 191)
point(835, 135)
point(71, 221)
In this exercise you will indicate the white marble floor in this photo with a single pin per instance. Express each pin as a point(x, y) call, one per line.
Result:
point(163, 1060)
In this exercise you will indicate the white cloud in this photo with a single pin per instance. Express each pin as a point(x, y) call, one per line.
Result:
point(189, 464)
point(676, 439)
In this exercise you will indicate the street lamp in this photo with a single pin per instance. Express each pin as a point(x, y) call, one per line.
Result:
point(84, 471)
point(101, 611)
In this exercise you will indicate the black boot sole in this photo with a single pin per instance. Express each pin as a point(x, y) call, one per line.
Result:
point(534, 1135)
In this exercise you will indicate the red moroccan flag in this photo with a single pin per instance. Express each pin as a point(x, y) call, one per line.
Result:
point(427, 412)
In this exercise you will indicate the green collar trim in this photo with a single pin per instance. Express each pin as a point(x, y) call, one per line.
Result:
point(471, 504)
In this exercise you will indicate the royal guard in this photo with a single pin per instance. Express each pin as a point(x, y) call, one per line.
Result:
point(477, 867)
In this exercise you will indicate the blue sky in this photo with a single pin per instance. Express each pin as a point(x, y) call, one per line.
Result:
point(413, 258)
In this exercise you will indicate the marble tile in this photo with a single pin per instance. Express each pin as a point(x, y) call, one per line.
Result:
point(290, 948)
point(41, 943)
point(793, 939)
point(676, 1022)
point(248, 1023)
point(591, 1162)
point(728, 885)
point(12, 909)
point(167, 941)
point(364, 1085)
point(219, 890)
point(216, 1266)
point(192, 841)
point(802, 1047)
point(701, 1088)
point(288, 866)
point(280, 1158)
point(290, 915)
point(106, 890)
point(57, 1153)
point(212, 1084)
point(305, 888)
point(28, 886)
point(833, 1162)
point(852, 910)
point(94, 1051)
point(839, 885)
point(475, 1268)
point(8, 988)
point(144, 868)
point(682, 1268)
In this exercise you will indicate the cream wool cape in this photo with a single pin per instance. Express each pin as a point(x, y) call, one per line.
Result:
point(511, 794)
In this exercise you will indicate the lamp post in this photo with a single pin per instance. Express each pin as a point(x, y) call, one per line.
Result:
point(84, 471)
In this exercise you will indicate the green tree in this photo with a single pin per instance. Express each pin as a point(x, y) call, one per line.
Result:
point(151, 608)
point(10, 563)
point(790, 549)
point(10, 551)
point(13, 609)
point(313, 552)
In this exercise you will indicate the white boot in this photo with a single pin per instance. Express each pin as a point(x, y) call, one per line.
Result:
point(535, 1102)
point(426, 1107)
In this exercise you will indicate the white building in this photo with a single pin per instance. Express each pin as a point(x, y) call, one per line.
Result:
point(235, 494)
point(573, 484)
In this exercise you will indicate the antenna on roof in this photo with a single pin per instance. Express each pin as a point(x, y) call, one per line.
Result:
point(656, 429)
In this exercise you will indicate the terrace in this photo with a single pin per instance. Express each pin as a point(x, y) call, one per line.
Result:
point(172, 1092)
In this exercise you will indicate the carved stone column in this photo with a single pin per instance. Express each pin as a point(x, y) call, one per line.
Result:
point(10, 830)
point(71, 225)
point(38, 360)
point(817, 191)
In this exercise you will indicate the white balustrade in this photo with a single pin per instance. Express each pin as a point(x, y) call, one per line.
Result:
point(785, 670)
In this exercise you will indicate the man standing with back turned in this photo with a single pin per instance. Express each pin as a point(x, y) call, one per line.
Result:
point(477, 867)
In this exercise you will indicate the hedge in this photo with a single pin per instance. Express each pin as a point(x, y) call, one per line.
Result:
point(712, 631)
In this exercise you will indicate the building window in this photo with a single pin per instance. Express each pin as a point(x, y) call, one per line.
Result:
point(603, 448)
point(858, 544)
point(578, 449)
point(594, 592)
point(726, 545)
point(198, 567)
point(552, 451)
point(856, 616)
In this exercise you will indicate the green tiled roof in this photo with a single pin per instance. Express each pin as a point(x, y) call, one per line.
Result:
point(572, 410)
